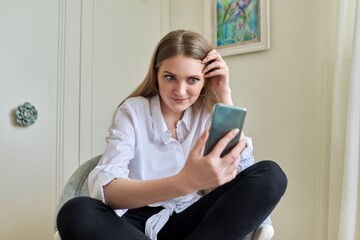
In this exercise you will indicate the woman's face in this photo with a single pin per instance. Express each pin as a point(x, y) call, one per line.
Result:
point(180, 80)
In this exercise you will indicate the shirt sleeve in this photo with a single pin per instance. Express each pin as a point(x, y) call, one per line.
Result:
point(246, 157)
point(118, 153)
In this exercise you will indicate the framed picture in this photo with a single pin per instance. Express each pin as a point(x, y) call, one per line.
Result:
point(238, 26)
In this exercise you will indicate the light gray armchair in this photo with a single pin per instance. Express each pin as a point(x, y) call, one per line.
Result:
point(77, 185)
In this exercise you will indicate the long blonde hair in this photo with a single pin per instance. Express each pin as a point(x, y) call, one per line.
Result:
point(177, 42)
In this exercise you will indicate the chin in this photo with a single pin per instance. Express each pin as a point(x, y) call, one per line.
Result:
point(180, 109)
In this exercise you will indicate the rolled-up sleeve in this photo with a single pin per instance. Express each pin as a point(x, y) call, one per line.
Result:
point(119, 151)
point(246, 157)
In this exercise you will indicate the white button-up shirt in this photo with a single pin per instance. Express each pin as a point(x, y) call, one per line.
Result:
point(140, 146)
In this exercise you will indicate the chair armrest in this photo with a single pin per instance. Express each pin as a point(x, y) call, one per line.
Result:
point(265, 230)
point(57, 236)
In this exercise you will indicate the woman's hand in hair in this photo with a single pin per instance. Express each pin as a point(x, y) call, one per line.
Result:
point(217, 73)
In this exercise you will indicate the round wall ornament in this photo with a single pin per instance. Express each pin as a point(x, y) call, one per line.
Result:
point(26, 114)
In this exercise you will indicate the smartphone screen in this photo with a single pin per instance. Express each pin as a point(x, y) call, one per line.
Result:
point(224, 119)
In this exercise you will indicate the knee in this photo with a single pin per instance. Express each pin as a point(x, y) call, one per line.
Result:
point(76, 208)
point(78, 214)
point(275, 180)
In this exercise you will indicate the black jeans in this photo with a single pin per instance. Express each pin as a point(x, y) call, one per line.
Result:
point(228, 212)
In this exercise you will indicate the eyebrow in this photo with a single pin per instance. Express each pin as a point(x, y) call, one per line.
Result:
point(191, 76)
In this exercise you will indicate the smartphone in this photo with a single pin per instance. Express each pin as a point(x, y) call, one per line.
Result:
point(224, 119)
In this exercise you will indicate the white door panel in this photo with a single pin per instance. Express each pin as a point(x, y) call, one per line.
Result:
point(124, 34)
point(28, 67)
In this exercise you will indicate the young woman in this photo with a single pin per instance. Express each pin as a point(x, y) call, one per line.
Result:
point(147, 182)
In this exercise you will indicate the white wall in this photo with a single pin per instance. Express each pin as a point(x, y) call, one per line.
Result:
point(286, 90)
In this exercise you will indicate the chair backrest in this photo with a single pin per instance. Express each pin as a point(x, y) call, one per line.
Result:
point(77, 185)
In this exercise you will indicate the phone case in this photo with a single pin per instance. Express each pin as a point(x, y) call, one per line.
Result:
point(224, 119)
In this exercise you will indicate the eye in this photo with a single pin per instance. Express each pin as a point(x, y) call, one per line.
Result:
point(193, 81)
point(169, 77)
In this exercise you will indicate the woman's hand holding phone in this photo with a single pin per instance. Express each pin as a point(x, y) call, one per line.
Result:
point(209, 171)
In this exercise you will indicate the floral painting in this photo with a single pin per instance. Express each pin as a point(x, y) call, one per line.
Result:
point(237, 21)
point(239, 26)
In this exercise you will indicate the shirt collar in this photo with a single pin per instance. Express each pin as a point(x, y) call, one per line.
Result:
point(159, 125)
point(186, 119)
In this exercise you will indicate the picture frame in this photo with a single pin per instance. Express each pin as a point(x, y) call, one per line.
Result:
point(238, 26)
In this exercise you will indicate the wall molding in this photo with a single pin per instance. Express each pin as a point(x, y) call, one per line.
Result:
point(68, 79)
point(60, 101)
point(86, 80)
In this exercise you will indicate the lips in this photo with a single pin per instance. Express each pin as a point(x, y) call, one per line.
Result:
point(178, 100)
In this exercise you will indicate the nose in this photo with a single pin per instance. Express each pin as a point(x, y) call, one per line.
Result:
point(181, 88)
